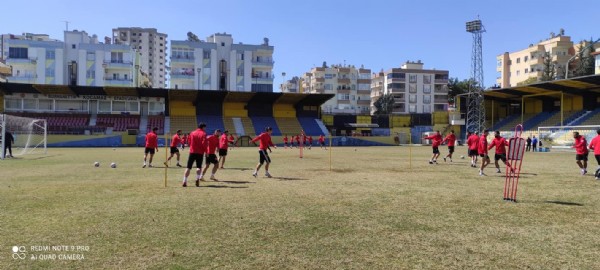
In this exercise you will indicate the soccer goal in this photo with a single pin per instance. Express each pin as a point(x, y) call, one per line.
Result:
point(561, 137)
point(24, 135)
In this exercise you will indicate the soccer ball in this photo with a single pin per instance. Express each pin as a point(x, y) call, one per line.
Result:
point(462, 157)
point(113, 165)
point(96, 164)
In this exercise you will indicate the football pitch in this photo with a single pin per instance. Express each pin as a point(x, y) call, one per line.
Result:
point(372, 210)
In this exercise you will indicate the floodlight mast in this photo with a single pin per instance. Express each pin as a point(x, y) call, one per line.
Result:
point(475, 105)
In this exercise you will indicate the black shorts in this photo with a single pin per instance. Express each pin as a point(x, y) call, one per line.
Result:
point(583, 157)
point(211, 158)
point(174, 150)
point(500, 157)
point(149, 150)
point(197, 158)
point(436, 150)
point(264, 156)
point(473, 153)
point(597, 159)
point(222, 152)
point(484, 156)
point(451, 149)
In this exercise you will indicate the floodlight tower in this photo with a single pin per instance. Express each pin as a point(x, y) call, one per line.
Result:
point(475, 105)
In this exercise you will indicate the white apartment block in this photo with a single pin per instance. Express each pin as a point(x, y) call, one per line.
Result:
point(291, 86)
point(415, 90)
point(152, 47)
point(351, 86)
point(79, 60)
point(218, 64)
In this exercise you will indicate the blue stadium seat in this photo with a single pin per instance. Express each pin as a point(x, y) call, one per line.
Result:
point(260, 122)
point(310, 126)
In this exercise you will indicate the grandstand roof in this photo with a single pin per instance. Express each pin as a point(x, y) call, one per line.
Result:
point(574, 86)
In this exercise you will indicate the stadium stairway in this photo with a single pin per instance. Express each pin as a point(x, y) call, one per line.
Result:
point(260, 122)
point(554, 120)
point(570, 120)
point(505, 121)
point(143, 123)
point(289, 125)
point(229, 124)
point(592, 118)
point(239, 126)
point(248, 126)
point(534, 122)
point(510, 125)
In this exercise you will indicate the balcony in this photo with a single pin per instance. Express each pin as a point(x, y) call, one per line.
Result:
point(443, 99)
point(12, 61)
point(363, 102)
point(180, 59)
point(117, 64)
point(183, 75)
point(22, 79)
point(444, 81)
point(343, 101)
point(262, 79)
point(343, 80)
point(363, 92)
point(118, 82)
point(442, 89)
point(264, 63)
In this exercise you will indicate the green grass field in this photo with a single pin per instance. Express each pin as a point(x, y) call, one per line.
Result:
point(371, 211)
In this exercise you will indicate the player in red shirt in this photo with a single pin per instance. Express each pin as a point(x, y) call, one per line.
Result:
point(265, 142)
point(322, 142)
point(184, 139)
point(500, 143)
point(197, 149)
point(232, 140)
point(436, 140)
point(151, 146)
point(595, 145)
point(285, 142)
point(175, 142)
point(450, 140)
point(224, 142)
point(298, 140)
point(581, 156)
point(211, 157)
point(483, 151)
point(473, 144)
point(310, 142)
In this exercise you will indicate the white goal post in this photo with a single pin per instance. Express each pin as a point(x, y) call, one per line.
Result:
point(562, 136)
point(30, 135)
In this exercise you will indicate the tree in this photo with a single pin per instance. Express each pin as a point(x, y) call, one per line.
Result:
point(192, 37)
point(549, 72)
point(585, 64)
point(384, 105)
point(457, 87)
point(529, 80)
point(324, 64)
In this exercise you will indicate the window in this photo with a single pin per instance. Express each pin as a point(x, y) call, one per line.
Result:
point(412, 98)
point(518, 72)
point(30, 104)
point(499, 63)
point(412, 78)
point(206, 54)
point(328, 86)
point(222, 44)
point(525, 59)
point(427, 88)
point(426, 79)
point(73, 46)
point(412, 88)
point(426, 99)
point(343, 96)
point(526, 70)
point(20, 53)
point(14, 104)
point(50, 54)
point(90, 74)
point(240, 71)
point(91, 56)
point(134, 34)
point(364, 76)
point(426, 108)
point(412, 108)
point(518, 60)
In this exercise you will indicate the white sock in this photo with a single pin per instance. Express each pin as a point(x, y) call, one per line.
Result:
point(199, 176)
point(185, 179)
point(255, 172)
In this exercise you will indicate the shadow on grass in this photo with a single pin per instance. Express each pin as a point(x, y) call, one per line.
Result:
point(290, 179)
point(219, 186)
point(34, 158)
point(565, 203)
point(238, 169)
point(345, 170)
point(237, 182)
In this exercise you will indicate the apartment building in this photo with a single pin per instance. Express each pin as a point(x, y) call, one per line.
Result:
point(152, 47)
point(291, 86)
point(79, 60)
point(351, 86)
point(219, 64)
point(415, 89)
point(516, 67)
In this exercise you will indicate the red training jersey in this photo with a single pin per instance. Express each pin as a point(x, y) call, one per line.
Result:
point(197, 142)
point(321, 139)
point(176, 141)
point(595, 144)
point(500, 143)
point(224, 142)
point(151, 140)
point(473, 142)
point(436, 139)
point(285, 139)
point(580, 145)
point(212, 142)
point(450, 139)
point(265, 141)
point(483, 145)
point(310, 139)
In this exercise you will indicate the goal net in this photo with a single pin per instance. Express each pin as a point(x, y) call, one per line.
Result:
point(24, 136)
point(562, 136)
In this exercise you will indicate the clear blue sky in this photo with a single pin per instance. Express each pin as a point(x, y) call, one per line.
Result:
point(376, 34)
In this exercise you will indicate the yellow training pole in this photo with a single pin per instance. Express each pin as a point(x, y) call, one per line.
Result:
point(409, 150)
point(166, 147)
point(329, 151)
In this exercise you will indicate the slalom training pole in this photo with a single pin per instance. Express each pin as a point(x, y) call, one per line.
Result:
point(329, 151)
point(166, 155)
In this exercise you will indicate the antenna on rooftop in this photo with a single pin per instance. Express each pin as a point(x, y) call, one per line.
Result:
point(66, 25)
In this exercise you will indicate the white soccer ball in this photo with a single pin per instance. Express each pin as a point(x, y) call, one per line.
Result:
point(96, 164)
point(113, 165)
point(462, 157)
